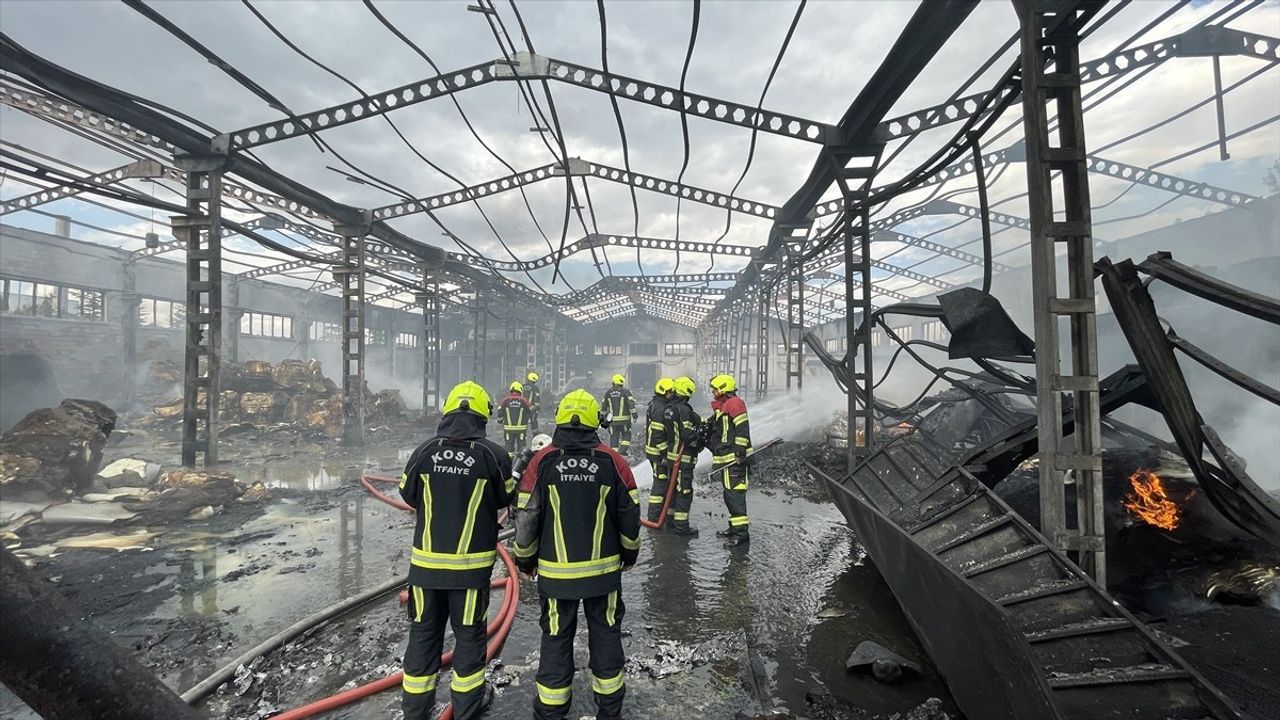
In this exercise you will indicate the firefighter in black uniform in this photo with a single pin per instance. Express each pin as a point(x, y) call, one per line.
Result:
point(457, 482)
point(514, 413)
point(620, 409)
point(533, 393)
point(577, 529)
point(656, 444)
point(729, 440)
point(684, 440)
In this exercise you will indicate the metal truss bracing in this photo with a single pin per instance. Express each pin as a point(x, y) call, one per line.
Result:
point(528, 66)
point(351, 278)
point(1098, 166)
point(1196, 42)
point(577, 167)
point(53, 108)
point(136, 169)
point(559, 356)
point(1050, 36)
point(593, 241)
point(200, 229)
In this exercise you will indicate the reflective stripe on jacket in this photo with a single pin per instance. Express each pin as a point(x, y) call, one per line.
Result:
point(619, 405)
point(456, 482)
point(730, 434)
point(655, 431)
point(514, 412)
point(578, 516)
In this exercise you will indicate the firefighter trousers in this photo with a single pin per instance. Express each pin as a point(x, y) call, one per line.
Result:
point(620, 436)
point(467, 610)
point(604, 643)
point(515, 440)
point(657, 493)
point(682, 471)
point(735, 478)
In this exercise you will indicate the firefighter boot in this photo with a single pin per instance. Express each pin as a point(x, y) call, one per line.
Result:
point(682, 527)
point(738, 538)
point(725, 532)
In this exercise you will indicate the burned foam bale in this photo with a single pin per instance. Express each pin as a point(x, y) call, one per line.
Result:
point(53, 452)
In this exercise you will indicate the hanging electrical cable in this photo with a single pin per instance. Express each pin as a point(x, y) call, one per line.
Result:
point(622, 130)
point(684, 115)
point(755, 126)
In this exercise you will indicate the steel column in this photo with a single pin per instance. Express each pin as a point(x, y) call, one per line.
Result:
point(795, 322)
point(429, 299)
point(1049, 31)
point(201, 230)
point(762, 346)
point(130, 303)
point(350, 277)
point(854, 169)
point(480, 335)
point(560, 356)
point(232, 328)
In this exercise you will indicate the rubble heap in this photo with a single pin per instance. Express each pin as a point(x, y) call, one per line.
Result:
point(295, 392)
point(53, 452)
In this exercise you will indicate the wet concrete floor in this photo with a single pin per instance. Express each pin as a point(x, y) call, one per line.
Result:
point(710, 631)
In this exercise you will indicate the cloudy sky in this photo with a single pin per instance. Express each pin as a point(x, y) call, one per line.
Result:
point(835, 49)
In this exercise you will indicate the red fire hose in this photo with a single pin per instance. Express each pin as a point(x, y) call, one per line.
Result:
point(671, 490)
point(498, 629)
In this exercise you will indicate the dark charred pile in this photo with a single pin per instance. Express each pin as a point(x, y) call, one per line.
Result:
point(257, 394)
point(54, 452)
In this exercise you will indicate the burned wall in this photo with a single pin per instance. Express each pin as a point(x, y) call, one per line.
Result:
point(87, 357)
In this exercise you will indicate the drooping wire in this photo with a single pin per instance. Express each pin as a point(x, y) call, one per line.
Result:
point(622, 131)
point(684, 116)
point(755, 127)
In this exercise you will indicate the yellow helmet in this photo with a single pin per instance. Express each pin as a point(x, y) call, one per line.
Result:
point(684, 386)
point(619, 380)
point(532, 376)
point(579, 405)
point(724, 383)
point(664, 386)
point(516, 387)
point(470, 396)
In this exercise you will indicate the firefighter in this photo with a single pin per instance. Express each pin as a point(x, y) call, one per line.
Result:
point(684, 440)
point(514, 412)
point(656, 445)
point(729, 439)
point(577, 529)
point(620, 409)
point(456, 482)
point(533, 393)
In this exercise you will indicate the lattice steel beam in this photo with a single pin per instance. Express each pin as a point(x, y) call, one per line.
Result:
point(1204, 41)
point(136, 169)
point(577, 167)
point(528, 66)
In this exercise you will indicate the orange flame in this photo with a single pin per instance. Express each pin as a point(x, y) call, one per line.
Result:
point(1149, 502)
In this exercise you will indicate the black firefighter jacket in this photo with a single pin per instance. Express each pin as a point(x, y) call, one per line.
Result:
point(578, 516)
point(457, 482)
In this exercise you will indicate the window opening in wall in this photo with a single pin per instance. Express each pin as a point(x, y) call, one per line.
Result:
point(325, 332)
point(904, 333)
point(644, 348)
point(266, 325)
point(405, 339)
point(608, 350)
point(160, 313)
point(376, 336)
point(49, 300)
point(935, 331)
point(831, 344)
point(678, 349)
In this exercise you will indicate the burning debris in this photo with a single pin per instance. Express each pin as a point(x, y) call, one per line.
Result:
point(1148, 501)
